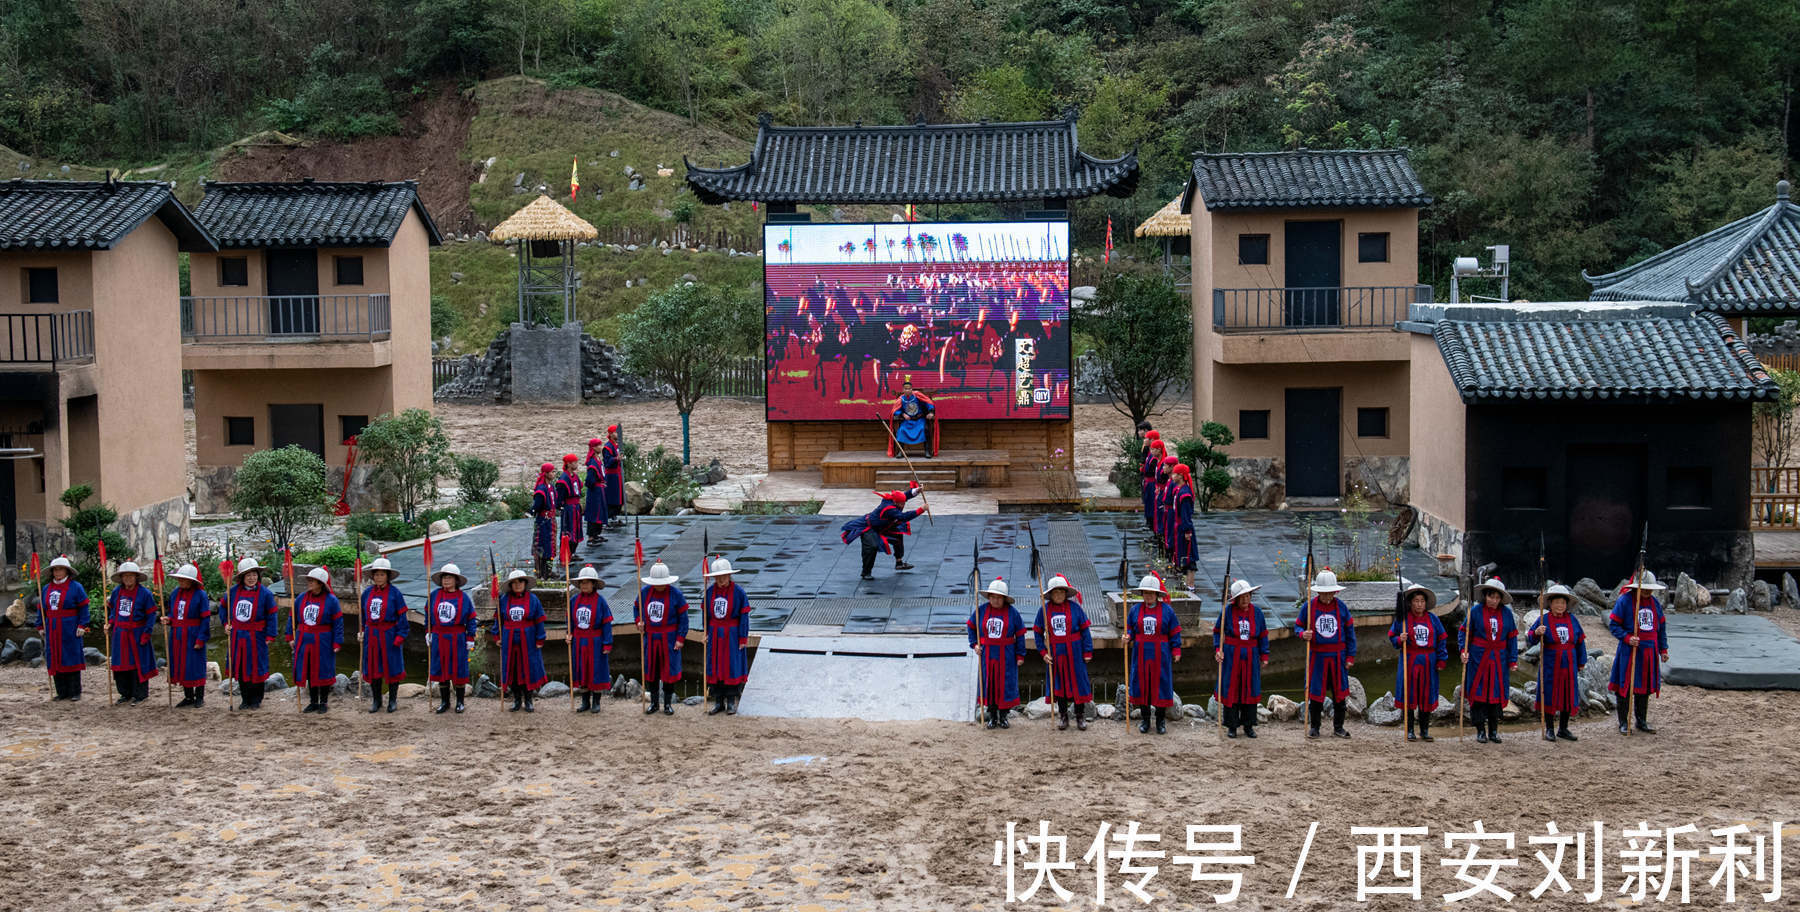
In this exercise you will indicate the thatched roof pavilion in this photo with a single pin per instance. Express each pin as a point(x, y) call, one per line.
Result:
point(543, 219)
point(546, 233)
point(1169, 221)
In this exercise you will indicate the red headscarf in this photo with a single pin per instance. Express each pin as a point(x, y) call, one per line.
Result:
point(544, 471)
point(571, 458)
point(594, 444)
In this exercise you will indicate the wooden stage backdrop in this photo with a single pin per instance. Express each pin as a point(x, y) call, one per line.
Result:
point(1032, 443)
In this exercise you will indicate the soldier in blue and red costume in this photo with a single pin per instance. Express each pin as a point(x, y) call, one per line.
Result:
point(1489, 656)
point(190, 628)
point(543, 521)
point(1069, 649)
point(1560, 661)
point(1153, 454)
point(1241, 646)
point(63, 619)
point(1185, 551)
point(1165, 504)
point(612, 458)
point(384, 628)
point(997, 634)
point(591, 628)
point(882, 530)
point(317, 639)
point(1426, 651)
point(568, 498)
point(661, 612)
point(1643, 647)
point(727, 609)
point(519, 631)
point(1325, 622)
point(451, 627)
point(130, 621)
point(594, 510)
point(250, 622)
point(1153, 643)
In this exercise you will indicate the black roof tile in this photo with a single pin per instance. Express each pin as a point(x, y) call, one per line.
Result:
point(310, 213)
point(920, 163)
point(90, 215)
point(1324, 179)
point(1751, 266)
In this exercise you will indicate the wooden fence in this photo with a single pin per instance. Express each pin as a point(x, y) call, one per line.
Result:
point(740, 377)
point(1775, 498)
point(443, 370)
point(679, 235)
point(1780, 362)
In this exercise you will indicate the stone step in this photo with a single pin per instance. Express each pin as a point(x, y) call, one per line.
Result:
point(934, 479)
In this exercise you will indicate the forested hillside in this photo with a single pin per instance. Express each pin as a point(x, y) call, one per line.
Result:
point(1586, 133)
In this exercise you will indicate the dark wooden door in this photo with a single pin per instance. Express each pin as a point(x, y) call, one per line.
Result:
point(293, 289)
point(1312, 442)
point(299, 425)
point(1606, 497)
point(9, 508)
point(1314, 262)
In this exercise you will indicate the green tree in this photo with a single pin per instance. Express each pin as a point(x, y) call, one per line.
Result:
point(282, 492)
point(475, 478)
point(1142, 332)
point(1205, 455)
point(684, 335)
point(406, 453)
point(998, 93)
point(90, 525)
point(837, 60)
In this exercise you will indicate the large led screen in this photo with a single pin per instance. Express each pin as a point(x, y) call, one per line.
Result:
point(974, 314)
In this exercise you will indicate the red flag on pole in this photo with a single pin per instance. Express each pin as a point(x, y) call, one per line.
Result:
point(428, 562)
point(1108, 256)
point(34, 565)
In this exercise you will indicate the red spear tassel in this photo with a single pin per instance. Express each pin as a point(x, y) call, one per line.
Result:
point(637, 549)
point(156, 574)
point(34, 565)
point(356, 572)
point(494, 587)
point(565, 550)
point(287, 565)
point(225, 571)
point(101, 547)
point(428, 562)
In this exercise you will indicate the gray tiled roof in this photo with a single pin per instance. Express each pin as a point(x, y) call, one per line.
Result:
point(1321, 179)
point(90, 215)
point(310, 213)
point(1654, 359)
point(1749, 266)
point(920, 163)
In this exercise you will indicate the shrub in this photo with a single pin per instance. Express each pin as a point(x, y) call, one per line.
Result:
point(282, 491)
point(666, 479)
point(476, 477)
point(1125, 469)
point(406, 453)
point(89, 526)
point(517, 501)
point(334, 556)
point(1205, 454)
point(383, 527)
point(444, 318)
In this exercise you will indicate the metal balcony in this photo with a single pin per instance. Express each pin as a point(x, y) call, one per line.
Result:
point(285, 318)
point(1314, 309)
point(47, 338)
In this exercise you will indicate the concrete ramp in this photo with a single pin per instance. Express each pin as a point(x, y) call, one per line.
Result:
point(1729, 652)
point(884, 678)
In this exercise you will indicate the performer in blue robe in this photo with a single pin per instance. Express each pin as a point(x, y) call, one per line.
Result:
point(1560, 661)
point(661, 613)
point(591, 639)
point(915, 423)
point(1327, 625)
point(250, 626)
point(543, 521)
point(1153, 637)
point(997, 634)
point(568, 499)
point(317, 639)
point(1153, 454)
point(63, 619)
point(1489, 657)
point(519, 629)
point(451, 628)
point(727, 608)
point(1165, 513)
point(1643, 647)
point(595, 507)
point(1184, 551)
point(1241, 646)
point(1424, 647)
point(1069, 649)
point(190, 628)
point(611, 457)
point(883, 529)
point(384, 629)
point(130, 623)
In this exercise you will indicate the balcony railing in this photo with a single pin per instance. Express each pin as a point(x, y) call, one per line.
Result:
point(1775, 498)
point(47, 338)
point(1312, 309)
point(285, 318)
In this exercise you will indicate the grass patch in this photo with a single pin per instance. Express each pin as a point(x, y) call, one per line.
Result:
point(779, 507)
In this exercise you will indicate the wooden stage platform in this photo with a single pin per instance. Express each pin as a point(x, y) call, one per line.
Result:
point(949, 468)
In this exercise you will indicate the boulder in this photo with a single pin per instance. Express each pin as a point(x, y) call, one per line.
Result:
point(628, 689)
point(341, 686)
point(15, 613)
point(1596, 675)
point(1105, 711)
point(1510, 711)
point(1762, 596)
point(554, 689)
point(1262, 714)
point(1790, 591)
point(1689, 595)
point(1034, 709)
point(485, 687)
point(1737, 602)
point(695, 700)
point(212, 671)
point(439, 528)
point(1358, 703)
point(1520, 697)
point(93, 657)
point(9, 652)
point(32, 648)
point(1590, 599)
point(1383, 711)
point(1196, 711)
point(410, 691)
point(35, 662)
point(275, 682)
point(711, 474)
point(1283, 709)
point(637, 498)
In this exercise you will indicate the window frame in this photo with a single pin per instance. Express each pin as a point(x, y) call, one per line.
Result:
point(1387, 422)
point(1387, 250)
point(1539, 478)
point(1244, 434)
point(1253, 237)
point(240, 262)
point(249, 424)
point(338, 262)
point(32, 273)
point(344, 425)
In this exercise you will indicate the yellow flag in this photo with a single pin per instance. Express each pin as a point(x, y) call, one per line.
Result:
point(574, 177)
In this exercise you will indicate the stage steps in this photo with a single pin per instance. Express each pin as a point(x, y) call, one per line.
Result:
point(951, 468)
point(900, 478)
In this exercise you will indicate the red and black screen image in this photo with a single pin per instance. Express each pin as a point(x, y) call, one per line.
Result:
point(983, 339)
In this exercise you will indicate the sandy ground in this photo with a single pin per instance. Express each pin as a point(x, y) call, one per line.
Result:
point(148, 808)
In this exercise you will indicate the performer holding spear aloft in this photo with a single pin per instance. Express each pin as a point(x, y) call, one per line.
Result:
point(1644, 642)
point(1560, 660)
point(728, 620)
point(1330, 635)
point(190, 626)
point(1218, 652)
point(130, 615)
point(1067, 645)
point(662, 619)
point(156, 585)
point(566, 545)
point(1036, 568)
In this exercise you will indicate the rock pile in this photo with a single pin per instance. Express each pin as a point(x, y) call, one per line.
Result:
point(488, 377)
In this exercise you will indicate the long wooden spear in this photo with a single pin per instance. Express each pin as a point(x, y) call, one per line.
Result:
point(637, 604)
point(156, 583)
point(909, 467)
point(43, 619)
point(1544, 641)
point(1037, 577)
point(705, 618)
point(106, 608)
point(1306, 675)
point(1219, 631)
point(566, 545)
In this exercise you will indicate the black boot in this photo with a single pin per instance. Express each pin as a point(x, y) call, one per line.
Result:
point(1247, 718)
point(655, 691)
point(1144, 719)
point(443, 698)
point(1643, 714)
point(324, 699)
point(1425, 726)
point(718, 700)
point(993, 716)
point(1412, 716)
point(1549, 726)
point(140, 692)
point(123, 683)
point(528, 695)
point(1479, 711)
point(1161, 727)
point(1231, 721)
point(375, 698)
point(587, 699)
point(1062, 715)
point(1337, 719)
point(312, 700)
point(518, 695)
point(1562, 727)
point(1315, 712)
point(187, 696)
point(1003, 722)
point(393, 696)
point(459, 697)
point(668, 700)
point(199, 696)
point(1624, 714)
point(1493, 723)
point(731, 699)
point(1080, 717)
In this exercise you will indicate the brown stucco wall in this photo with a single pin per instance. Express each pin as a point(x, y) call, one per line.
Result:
point(203, 271)
point(1439, 436)
point(409, 281)
point(1364, 385)
point(74, 279)
point(221, 393)
point(137, 360)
